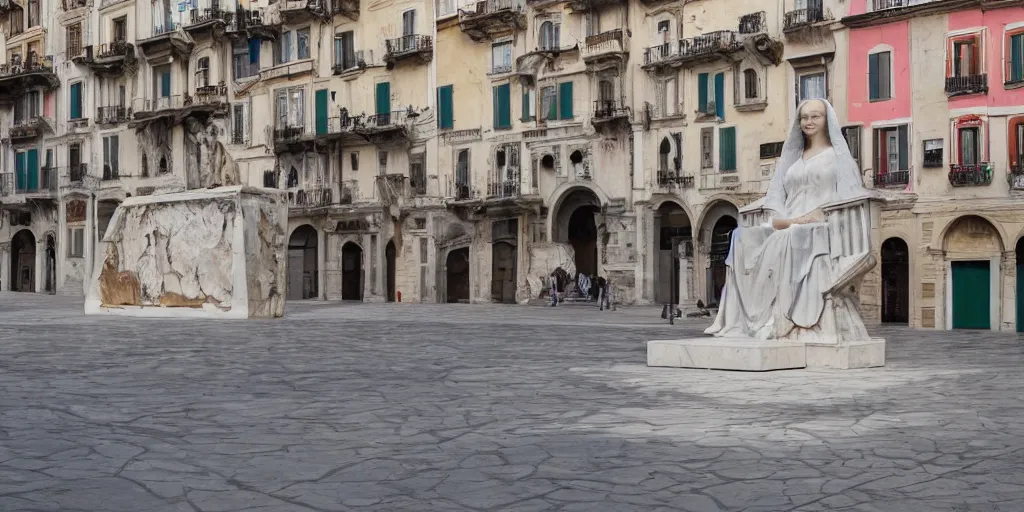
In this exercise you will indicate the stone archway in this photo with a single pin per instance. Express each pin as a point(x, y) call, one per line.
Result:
point(351, 271)
point(23, 261)
point(302, 263)
point(457, 275)
point(973, 250)
point(672, 253)
point(895, 281)
point(719, 219)
point(575, 223)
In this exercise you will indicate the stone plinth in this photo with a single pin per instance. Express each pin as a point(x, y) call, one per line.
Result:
point(752, 355)
point(218, 253)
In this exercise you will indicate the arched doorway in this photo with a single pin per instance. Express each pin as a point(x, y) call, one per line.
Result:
point(23, 262)
point(717, 253)
point(675, 243)
point(973, 249)
point(50, 283)
point(1020, 284)
point(895, 281)
point(575, 223)
point(351, 271)
point(457, 274)
point(389, 258)
point(302, 263)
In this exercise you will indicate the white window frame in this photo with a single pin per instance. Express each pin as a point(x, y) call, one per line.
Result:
point(800, 76)
point(508, 47)
point(295, 115)
point(76, 241)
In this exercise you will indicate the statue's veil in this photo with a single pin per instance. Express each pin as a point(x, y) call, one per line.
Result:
point(848, 181)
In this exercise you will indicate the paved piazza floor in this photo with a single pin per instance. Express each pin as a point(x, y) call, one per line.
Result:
point(456, 407)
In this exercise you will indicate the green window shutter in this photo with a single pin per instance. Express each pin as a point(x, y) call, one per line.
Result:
point(1017, 58)
point(446, 114)
point(21, 175)
point(76, 100)
point(727, 149)
point(383, 97)
point(702, 92)
point(165, 84)
point(551, 97)
point(720, 95)
point(565, 100)
point(321, 111)
point(502, 102)
point(873, 76)
point(32, 168)
point(526, 105)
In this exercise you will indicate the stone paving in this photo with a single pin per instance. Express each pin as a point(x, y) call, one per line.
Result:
point(465, 407)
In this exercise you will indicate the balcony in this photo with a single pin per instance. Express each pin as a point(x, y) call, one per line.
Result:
point(165, 38)
point(408, 47)
point(753, 23)
point(668, 179)
point(111, 173)
point(113, 114)
point(968, 84)
point(19, 188)
point(801, 19)
point(295, 12)
point(605, 50)
point(881, 5)
point(383, 128)
point(1016, 176)
point(492, 18)
point(292, 69)
point(76, 177)
point(892, 179)
point(970, 175)
point(200, 20)
point(18, 76)
point(25, 130)
point(109, 60)
point(208, 101)
point(70, 5)
point(608, 113)
point(249, 24)
point(587, 5)
point(346, 8)
point(311, 198)
point(703, 48)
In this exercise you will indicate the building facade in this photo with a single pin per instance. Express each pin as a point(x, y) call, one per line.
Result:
point(461, 151)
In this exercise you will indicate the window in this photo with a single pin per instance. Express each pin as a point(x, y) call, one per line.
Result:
point(409, 23)
point(239, 123)
point(891, 150)
point(852, 136)
point(711, 94)
point(445, 114)
point(162, 85)
point(462, 174)
point(353, 158)
point(663, 31)
point(529, 104)
point(303, 46)
point(74, 35)
point(417, 176)
point(111, 154)
point(75, 93)
point(933, 153)
point(283, 48)
point(120, 29)
point(592, 20)
point(345, 50)
point(76, 242)
point(445, 7)
point(203, 72)
point(966, 57)
point(33, 13)
point(549, 103)
point(549, 35)
point(246, 58)
point(501, 57)
point(707, 148)
point(970, 145)
point(1017, 144)
point(668, 97)
point(1015, 59)
point(565, 100)
point(879, 76)
point(664, 150)
point(291, 108)
point(812, 86)
point(727, 149)
point(502, 106)
point(749, 84)
point(382, 162)
point(606, 92)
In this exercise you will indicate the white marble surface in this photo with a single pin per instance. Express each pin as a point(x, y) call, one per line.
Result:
point(204, 253)
point(847, 356)
point(726, 354)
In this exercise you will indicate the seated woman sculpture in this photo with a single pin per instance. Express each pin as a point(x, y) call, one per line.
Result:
point(777, 273)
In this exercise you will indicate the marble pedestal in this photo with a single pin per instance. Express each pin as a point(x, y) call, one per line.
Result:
point(751, 355)
point(216, 253)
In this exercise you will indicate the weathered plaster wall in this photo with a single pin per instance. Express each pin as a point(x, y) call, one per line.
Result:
point(894, 38)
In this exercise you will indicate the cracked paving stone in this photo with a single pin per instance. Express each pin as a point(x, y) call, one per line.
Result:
point(434, 407)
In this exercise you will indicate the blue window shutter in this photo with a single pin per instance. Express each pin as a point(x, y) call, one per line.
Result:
point(76, 100)
point(720, 95)
point(702, 92)
point(21, 175)
point(165, 84)
point(565, 100)
point(446, 115)
point(254, 51)
point(727, 149)
point(873, 76)
point(1017, 58)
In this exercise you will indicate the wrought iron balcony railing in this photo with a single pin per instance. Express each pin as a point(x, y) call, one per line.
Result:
point(313, 197)
point(967, 84)
point(607, 109)
point(112, 114)
point(507, 188)
point(408, 44)
point(970, 175)
point(606, 43)
point(667, 178)
point(157, 104)
point(1016, 175)
point(75, 173)
point(892, 179)
point(110, 173)
point(699, 46)
point(397, 117)
point(289, 133)
point(30, 65)
point(802, 17)
point(115, 49)
point(753, 23)
point(200, 16)
point(932, 161)
point(40, 181)
point(881, 5)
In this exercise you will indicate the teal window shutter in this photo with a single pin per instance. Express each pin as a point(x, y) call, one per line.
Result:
point(565, 100)
point(32, 167)
point(76, 100)
point(383, 98)
point(446, 114)
point(727, 149)
point(720, 95)
point(1017, 58)
point(165, 84)
point(322, 122)
point(526, 106)
point(21, 175)
point(502, 106)
point(702, 92)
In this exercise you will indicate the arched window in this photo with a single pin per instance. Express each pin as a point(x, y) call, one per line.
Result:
point(203, 72)
point(549, 35)
point(750, 84)
point(293, 177)
point(163, 164)
point(548, 162)
point(663, 154)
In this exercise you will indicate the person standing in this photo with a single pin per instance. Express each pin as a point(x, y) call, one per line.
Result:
point(554, 288)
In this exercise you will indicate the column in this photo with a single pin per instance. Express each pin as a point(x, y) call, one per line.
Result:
point(321, 260)
point(39, 276)
point(5, 266)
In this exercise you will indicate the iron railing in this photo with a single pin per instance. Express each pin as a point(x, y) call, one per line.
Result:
point(157, 104)
point(1016, 175)
point(698, 46)
point(881, 5)
point(289, 133)
point(29, 181)
point(753, 23)
point(412, 43)
point(110, 173)
point(112, 114)
point(802, 17)
point(892, 179)
point(491, 7)
point(668, 178)
point(199, 16)
point(316, 197)
point(26, 128)
point(970, 175)
point(932, 161)
point(381, 120)
point(29, 65)
point(506, 188)
point(661, 52)
point(75, 173)
point(607, 109)
point(74, 4)
point(967, 84)
point(208, 94)
point(115, 49)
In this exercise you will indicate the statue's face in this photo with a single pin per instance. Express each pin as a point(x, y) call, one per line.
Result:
point(813, 118)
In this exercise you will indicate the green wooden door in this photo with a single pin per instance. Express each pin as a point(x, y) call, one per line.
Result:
point(971, 295)
point(383, 98)
point(1020, 297)
point(21, 174)
point(32, 167)
point(321, 111)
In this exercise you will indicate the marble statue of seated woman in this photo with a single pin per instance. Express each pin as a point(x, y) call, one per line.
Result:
point(780, 273)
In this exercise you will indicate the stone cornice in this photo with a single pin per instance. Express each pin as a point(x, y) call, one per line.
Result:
point(936, 7)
